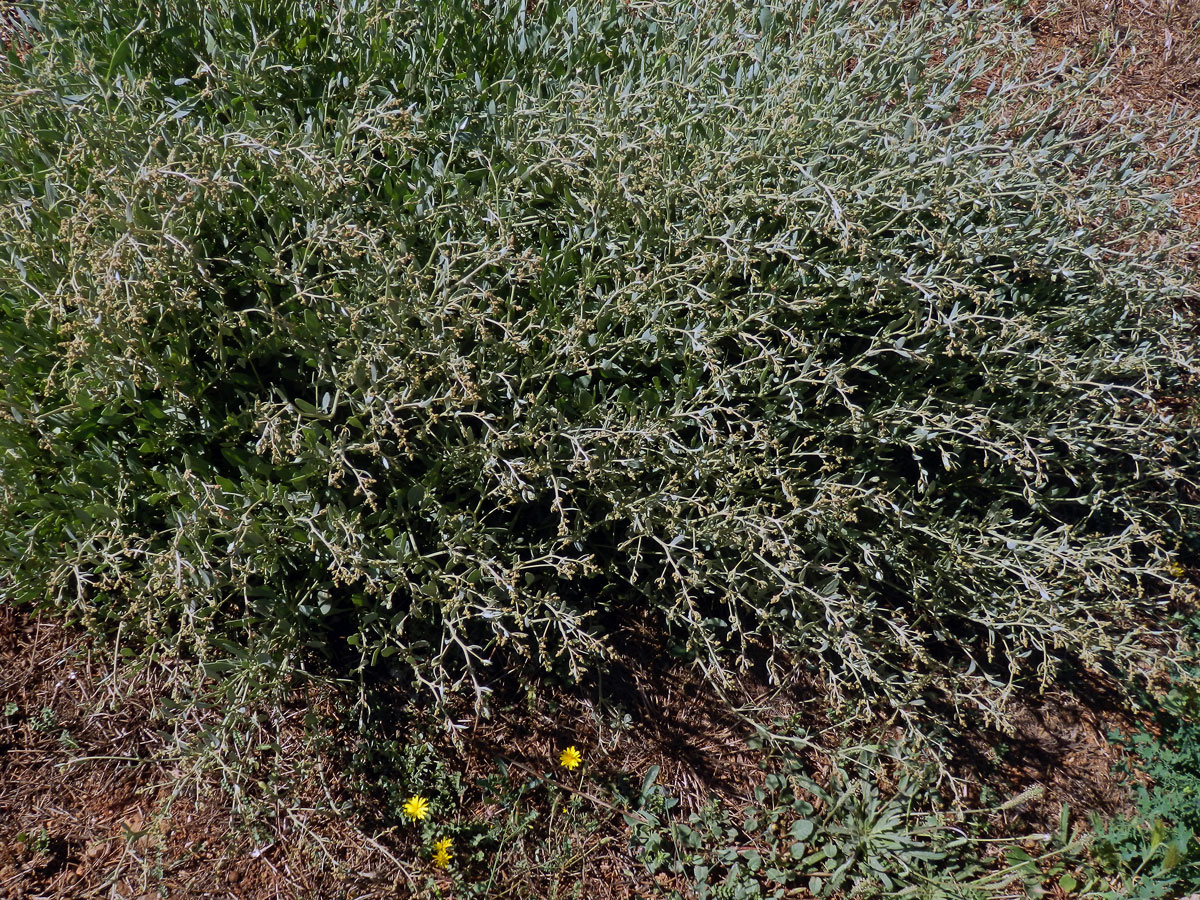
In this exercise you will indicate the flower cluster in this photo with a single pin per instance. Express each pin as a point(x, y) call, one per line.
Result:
point(416, 808)
point(441, 853)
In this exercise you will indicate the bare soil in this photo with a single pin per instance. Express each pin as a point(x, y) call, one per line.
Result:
point(90, 804)
point(1155, 45)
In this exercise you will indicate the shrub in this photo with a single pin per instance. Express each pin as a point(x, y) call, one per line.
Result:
point(454, 331)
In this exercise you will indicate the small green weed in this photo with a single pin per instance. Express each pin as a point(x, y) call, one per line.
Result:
point(1156, 852)
point(847, 836)
point(37, 841)
point(45, 720)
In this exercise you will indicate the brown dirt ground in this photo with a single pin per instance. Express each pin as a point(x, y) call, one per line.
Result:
point(89, 799)
point(96, 799)
point(1156, 43)
point(1156, 46)
point(87, 761)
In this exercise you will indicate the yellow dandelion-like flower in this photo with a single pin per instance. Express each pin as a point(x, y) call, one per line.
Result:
point(416, 808)
point(570, 758)
point(441, 853)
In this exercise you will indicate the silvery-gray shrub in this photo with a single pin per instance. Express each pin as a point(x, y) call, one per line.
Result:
point(462, 333)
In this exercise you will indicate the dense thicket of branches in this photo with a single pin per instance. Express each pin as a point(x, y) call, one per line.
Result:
point(452, 329)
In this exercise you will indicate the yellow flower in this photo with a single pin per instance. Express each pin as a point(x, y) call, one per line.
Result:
point(1176, 569)
point(416, 808)
point(441, 853)
point(570, 758)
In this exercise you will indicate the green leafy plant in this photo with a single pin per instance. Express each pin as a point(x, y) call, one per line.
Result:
point(1156, 851)
point(845, 835)
point(37, 841)
point(45, 720)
